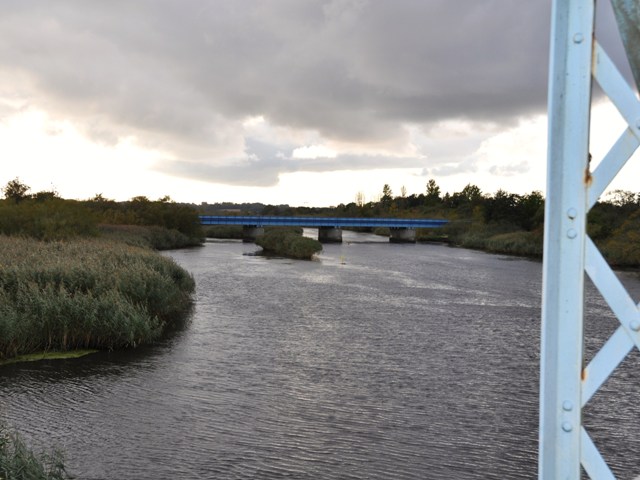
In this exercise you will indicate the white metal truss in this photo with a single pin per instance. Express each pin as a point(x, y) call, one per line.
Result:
point(572, 189)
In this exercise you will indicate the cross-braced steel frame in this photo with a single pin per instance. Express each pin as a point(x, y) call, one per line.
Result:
point(572, 189)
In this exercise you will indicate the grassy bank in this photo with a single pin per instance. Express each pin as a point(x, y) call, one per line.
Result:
point(19, 462)
point(85, 293)
point(289, 243)
point(155, 237)
point(495, 238)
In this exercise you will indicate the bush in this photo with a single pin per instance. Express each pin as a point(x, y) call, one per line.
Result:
point(516, 243)
point(53, 219)
point(224, 231)
point(623, 248)
point(289, 243)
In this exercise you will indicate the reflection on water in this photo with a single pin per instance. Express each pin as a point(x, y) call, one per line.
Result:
point(375, 361)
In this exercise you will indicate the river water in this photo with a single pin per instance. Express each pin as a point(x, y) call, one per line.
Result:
point(375, 361)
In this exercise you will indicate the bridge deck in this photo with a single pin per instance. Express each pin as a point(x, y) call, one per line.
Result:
point(316, 222)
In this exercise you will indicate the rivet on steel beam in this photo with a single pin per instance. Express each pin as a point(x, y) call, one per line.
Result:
point(567, 427)
point(571, 233)
point(567, 406)
point(578, 38)
point(572, 213)
point(634, 325)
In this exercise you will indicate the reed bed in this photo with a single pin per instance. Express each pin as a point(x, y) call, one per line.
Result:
point(85, 293)
point(289, 242)
point(151, 236)
point(19, 462)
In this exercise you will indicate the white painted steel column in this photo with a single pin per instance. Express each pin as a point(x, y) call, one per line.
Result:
point(564, 243)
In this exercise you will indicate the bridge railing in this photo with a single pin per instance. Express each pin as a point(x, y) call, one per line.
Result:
point(316, 222)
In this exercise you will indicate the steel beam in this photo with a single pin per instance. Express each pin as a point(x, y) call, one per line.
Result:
point(564, 243)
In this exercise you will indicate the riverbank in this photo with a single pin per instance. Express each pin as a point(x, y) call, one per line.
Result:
point(492, 239)
point(86, 293)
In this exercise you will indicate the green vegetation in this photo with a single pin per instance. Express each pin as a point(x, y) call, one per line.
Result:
point(289, 243)
point(76, 276)
point(155, 237)
point(144, 212)
point(19, 462)
point(46, 216)
point(36, 357)
point(224, 231)
point(83, 275)
point(86, 293)
point(501, 222)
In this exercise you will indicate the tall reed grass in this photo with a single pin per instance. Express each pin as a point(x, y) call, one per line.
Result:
point(288, 242)
point(85, 293)
point(19, 462)
point(224, 231)
point(151, 236)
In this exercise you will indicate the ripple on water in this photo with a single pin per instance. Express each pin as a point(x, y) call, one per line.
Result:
point(405, 363)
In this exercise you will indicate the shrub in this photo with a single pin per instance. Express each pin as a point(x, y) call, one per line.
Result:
point(224, 231)
point(288, 243)
point(518, 243)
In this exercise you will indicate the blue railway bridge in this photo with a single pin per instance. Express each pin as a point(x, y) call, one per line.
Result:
point(402, 230)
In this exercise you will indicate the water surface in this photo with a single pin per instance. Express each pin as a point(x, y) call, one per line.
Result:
point(375, 361)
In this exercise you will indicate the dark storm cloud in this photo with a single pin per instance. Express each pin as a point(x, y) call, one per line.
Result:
point(182, 75)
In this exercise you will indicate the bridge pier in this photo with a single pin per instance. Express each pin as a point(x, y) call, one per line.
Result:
point(329, 235)
point(402, 235)
point(250, 232)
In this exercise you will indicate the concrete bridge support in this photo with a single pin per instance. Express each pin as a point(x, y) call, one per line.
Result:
point(402, 235)
point(250, 232)
point(329, 235)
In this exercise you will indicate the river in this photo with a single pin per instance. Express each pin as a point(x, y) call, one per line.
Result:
point(375, 361)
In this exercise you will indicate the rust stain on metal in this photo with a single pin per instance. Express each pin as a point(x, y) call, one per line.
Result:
point(583, 375)
point(588, 178)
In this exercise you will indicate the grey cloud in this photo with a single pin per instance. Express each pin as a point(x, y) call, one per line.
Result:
point(264, 162)
point(181, 76)
point(446, 168)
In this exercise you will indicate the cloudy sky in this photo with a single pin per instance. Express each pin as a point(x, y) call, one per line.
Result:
point(305, 102)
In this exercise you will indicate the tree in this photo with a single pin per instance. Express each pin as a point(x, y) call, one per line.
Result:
point(360, 200)
point(472, 193)
point(433, 193)
point(502, 208)
point(45, 195)
point(15, 190)
point(387, 196)
point(100, 198)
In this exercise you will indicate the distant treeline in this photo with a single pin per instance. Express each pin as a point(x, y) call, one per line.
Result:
point(46, 216)
point(502, 222)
